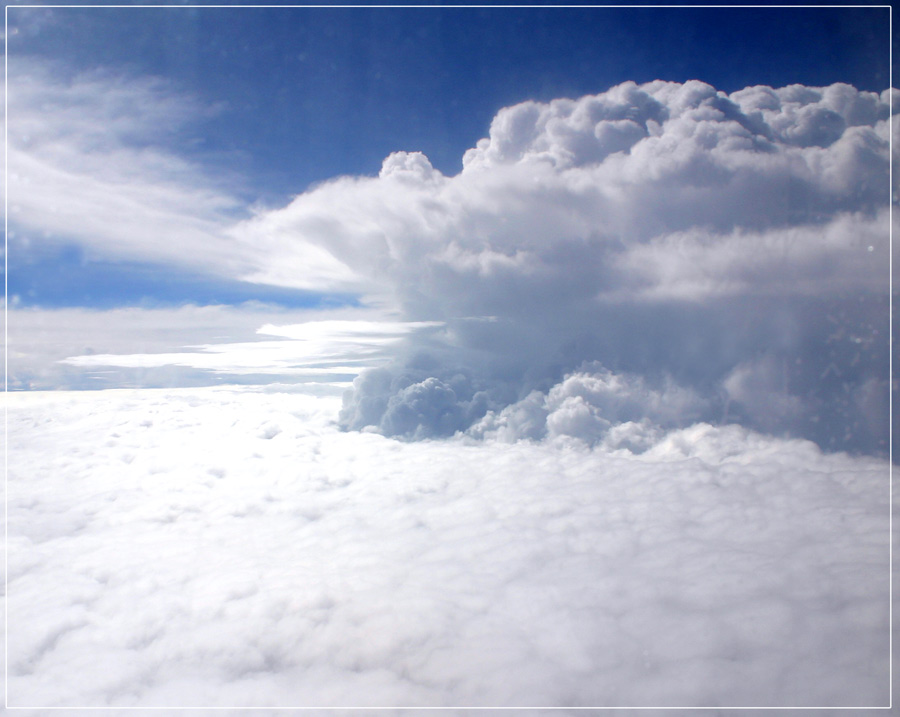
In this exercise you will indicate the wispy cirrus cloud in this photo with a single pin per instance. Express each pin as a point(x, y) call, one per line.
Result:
point(101, 160)
point(88, 164)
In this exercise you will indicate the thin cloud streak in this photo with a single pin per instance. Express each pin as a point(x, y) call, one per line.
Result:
point(41, 341)
point(93, 160)
point(312, 349)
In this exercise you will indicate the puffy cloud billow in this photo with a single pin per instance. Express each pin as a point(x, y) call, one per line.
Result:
point(729, 246)
point(595, 404)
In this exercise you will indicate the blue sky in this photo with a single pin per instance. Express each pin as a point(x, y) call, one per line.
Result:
point(309, 93)
point(288, 97)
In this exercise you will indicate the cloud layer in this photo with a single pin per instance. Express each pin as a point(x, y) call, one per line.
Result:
point(195, 345)
point(230, 547)
point(318, 347)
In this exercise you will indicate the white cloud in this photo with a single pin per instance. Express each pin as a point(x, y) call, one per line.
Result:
point(231, 547)
point(614, 181)
point(812, 260)
point(760, 387)
point(595, 406)
point(98, 159)
point(547, 190)
point(662, 230)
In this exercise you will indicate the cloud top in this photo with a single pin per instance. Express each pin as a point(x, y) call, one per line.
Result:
point(651, 187)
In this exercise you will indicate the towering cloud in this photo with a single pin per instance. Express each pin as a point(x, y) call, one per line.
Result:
point(731, 248)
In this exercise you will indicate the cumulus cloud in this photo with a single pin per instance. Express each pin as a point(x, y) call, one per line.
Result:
point(279, 562)
point(589, 404)
point(667, 231)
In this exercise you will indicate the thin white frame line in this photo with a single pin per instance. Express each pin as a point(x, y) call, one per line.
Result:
point(6, 348)
point(891, 366)
point(5, 358)
point(450, 7)
point(448, 707)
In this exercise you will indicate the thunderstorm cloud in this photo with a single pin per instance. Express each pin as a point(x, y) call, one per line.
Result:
point(686, 247)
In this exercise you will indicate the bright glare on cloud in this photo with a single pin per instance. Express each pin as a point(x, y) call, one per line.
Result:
point(159, 347)
point(314, 348)
point(230, 547)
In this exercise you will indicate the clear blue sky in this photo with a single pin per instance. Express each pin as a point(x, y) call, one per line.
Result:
point(295, 96)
